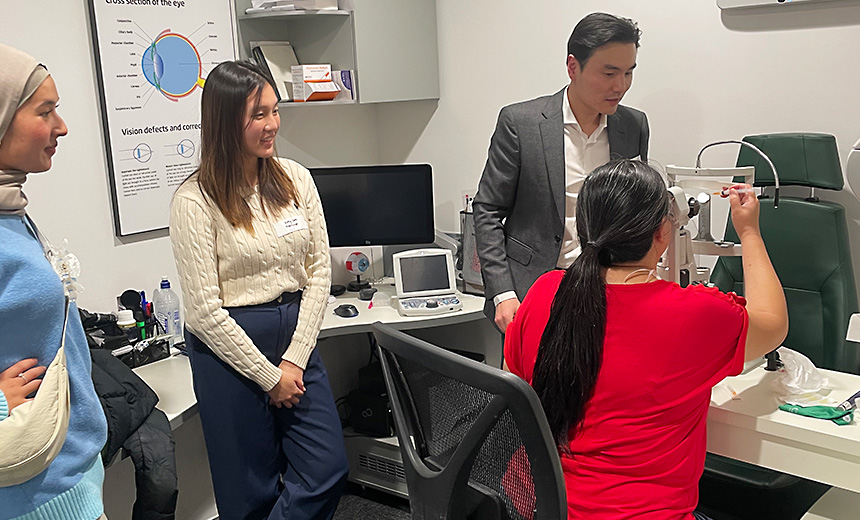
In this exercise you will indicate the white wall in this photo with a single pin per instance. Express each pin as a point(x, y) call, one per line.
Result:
point(72, 200)
point(703, 75)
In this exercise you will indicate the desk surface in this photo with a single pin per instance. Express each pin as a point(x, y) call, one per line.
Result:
point(171, 377)
point(171, 380)
point(334, 325)
point(754, 430)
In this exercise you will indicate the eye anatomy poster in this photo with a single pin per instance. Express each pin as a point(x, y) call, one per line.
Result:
point(152, 59)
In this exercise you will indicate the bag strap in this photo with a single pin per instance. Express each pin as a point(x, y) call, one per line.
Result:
point(34, 230)
point(46, 250)
point(65, 323)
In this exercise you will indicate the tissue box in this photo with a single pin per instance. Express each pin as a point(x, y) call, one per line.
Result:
point(313, 83)
point(345, 81)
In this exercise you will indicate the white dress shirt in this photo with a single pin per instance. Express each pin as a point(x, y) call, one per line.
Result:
point(582, 154)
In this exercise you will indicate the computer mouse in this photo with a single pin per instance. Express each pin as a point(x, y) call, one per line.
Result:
point(346, 310)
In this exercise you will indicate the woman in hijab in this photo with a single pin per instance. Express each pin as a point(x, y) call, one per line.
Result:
point(33, 304)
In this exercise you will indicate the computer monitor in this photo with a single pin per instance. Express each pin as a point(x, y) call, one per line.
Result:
point(377, 205)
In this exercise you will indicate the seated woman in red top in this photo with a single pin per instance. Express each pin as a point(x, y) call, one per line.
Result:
point(623, 363)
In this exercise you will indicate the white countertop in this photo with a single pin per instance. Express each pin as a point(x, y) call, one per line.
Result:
point(753, 429)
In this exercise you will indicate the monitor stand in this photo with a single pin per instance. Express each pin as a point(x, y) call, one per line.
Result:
point(357, 285)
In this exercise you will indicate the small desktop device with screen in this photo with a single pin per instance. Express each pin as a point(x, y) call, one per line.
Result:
point(425, 282)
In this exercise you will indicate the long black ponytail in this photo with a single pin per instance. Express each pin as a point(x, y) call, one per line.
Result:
point(620, 207)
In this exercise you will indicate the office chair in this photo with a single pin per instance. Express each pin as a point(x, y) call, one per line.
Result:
point(474, 440)
point(807, 241)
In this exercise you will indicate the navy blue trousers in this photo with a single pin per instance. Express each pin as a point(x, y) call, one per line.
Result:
point(267, 462)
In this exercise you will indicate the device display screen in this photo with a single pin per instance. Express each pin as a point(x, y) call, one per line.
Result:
point(424, 273)
point(377, 205)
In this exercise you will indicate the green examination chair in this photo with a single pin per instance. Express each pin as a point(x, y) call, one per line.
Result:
point(807, 241)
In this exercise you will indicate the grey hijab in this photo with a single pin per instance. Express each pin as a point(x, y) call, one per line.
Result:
point(20, 76)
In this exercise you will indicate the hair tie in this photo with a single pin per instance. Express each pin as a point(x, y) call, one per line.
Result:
point(592, 245)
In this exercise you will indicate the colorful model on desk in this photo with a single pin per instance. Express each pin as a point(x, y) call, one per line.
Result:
point(357, 264)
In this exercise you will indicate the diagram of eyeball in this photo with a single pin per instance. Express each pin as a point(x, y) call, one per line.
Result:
point(142, 153)
point(186, 148)
point(172, 65)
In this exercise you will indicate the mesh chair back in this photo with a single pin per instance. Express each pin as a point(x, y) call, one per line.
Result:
point(474, 440)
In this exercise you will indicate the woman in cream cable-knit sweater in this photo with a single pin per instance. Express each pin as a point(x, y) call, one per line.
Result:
point(251, 247)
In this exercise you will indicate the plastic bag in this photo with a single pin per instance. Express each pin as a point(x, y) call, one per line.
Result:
point(799, 381)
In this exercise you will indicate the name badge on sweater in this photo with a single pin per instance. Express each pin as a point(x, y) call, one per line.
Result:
point(290, 225)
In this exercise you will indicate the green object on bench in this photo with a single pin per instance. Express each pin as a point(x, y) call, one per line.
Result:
point(840, 416)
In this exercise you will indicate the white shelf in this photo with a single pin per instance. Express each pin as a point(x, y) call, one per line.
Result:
point(390, 45)
point(291, 104)
point(297, 12)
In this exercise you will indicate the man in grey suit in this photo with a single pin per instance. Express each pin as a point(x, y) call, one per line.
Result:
point(540, 153)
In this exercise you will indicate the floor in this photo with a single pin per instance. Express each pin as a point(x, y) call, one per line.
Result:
point(364, 503)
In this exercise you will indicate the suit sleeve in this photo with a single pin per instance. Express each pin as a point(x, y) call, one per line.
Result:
point(644, 135)
point(497, 191)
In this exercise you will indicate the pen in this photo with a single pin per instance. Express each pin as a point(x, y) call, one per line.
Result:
point(733, 392)
point(849, 404)
point(725, 191)
point(143, 303)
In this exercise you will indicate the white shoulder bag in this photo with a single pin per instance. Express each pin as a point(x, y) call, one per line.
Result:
point(34, 432)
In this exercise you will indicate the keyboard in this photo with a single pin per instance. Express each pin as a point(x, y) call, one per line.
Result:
point(429, 305)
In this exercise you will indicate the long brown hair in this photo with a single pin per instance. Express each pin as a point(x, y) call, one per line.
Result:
point(221, 173)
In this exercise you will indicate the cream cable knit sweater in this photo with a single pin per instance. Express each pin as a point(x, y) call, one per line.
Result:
point(222, 266)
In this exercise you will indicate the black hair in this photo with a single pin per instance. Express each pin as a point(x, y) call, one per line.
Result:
point(598, 29)
point(620, 207)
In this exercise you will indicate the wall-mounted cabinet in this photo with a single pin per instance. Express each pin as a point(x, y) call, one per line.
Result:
point(390, 44)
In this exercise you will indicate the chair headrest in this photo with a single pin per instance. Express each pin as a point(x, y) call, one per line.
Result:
point(801, 160)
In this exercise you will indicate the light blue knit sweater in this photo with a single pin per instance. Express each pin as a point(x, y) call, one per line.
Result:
point(31, 319)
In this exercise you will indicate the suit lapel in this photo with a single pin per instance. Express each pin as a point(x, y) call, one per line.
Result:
point(552, 138)
point(616, 132)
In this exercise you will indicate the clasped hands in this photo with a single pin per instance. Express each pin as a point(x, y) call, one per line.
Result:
point(289, 388)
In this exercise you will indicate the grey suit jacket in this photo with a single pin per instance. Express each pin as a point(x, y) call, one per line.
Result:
point(519, 206)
